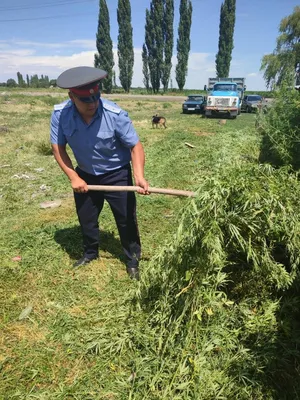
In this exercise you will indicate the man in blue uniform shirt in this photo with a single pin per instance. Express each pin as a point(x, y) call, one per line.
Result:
point(104, 143)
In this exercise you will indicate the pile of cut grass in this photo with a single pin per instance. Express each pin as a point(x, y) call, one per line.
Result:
point(222, 298)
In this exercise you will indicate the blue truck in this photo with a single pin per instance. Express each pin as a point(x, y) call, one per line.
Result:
point(225, 96)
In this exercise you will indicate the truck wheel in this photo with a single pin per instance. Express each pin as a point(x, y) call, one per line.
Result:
point(249, 110)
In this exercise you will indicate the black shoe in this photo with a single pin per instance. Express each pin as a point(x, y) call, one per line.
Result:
point(83, 261)
point(133, 273)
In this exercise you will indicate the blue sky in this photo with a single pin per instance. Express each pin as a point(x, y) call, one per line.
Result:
point(50, 36)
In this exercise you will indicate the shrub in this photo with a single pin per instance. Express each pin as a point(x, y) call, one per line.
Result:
point(280, 129)
point(218, 296)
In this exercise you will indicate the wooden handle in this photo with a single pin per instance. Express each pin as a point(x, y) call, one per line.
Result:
point(174, 192)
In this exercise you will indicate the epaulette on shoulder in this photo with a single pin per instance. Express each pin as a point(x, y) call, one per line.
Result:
point(112, 108)
point(63, 105)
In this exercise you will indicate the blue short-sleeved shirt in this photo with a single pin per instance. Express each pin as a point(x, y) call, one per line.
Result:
point(101, 146)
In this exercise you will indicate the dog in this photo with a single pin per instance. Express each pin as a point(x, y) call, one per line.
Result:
point(161, 121)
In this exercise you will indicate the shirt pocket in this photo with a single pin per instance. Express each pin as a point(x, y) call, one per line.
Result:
point(105, 140)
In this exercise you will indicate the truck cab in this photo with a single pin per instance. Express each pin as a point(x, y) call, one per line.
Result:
point(225, 96)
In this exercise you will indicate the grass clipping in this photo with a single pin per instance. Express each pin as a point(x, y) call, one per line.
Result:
point(213, 295)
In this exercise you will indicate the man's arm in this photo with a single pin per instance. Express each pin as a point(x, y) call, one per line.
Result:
point(138, 163)
point(65, 163)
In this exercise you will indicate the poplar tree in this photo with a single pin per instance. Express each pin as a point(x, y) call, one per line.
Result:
point(168, 36)
point(146, 73)
point(21, 81)
point(125, 44)
point(104, 59)
point(226, 32)
point(147, 49)
point(34, 81)
point(183, 41)
point(153, 49)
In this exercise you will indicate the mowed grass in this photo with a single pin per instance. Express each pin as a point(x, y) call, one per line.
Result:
point(58, 351)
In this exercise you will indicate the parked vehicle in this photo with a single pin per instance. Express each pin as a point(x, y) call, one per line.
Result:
point(251, 103)
point(195, 103)
point(225, 96)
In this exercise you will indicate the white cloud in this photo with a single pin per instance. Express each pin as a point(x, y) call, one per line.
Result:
point(83, 44)
point(29, 61)
point(16, 53)
point(26, 57)
point(32, 44)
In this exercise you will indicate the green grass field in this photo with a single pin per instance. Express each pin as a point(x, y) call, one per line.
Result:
point(71, 345)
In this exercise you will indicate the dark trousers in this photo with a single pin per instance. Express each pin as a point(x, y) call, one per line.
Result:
point(123, 206)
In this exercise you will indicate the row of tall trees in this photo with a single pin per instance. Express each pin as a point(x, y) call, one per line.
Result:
point(157, 49)
point(282, 64)
point(159, 40)
point(31, 81)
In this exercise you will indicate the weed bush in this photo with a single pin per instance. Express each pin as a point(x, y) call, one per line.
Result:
point(219, 295)
point(280, 129)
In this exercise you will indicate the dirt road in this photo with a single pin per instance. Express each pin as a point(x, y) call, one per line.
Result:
point(145, 97)
point(179, 99)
